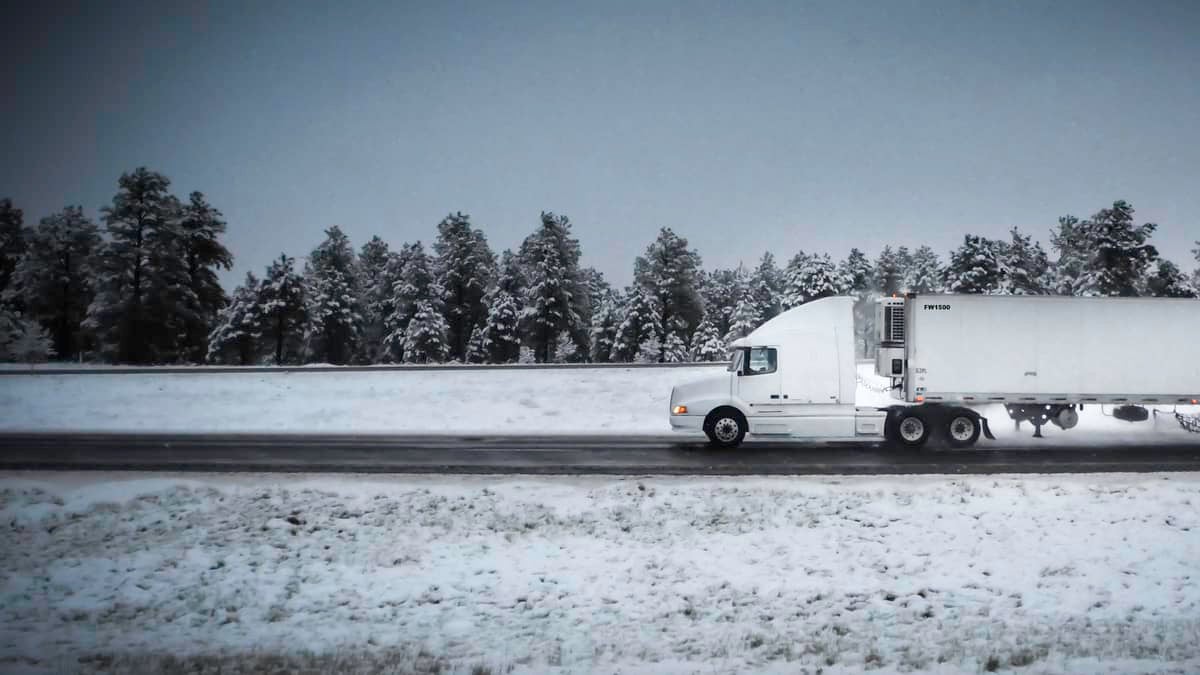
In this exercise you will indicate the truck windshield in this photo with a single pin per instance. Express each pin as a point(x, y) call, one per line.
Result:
point(735, 360)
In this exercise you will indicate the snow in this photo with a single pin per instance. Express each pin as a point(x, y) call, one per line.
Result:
point(624, 401)
point(1076, 574)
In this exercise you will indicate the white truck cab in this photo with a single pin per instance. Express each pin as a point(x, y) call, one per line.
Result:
point(793, 377)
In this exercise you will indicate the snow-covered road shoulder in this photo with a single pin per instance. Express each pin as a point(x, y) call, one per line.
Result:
point(1041, 574)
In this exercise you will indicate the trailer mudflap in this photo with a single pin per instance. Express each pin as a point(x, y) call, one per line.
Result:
point(987, 431)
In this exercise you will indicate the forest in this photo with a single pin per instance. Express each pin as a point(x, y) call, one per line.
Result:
point(142, 288)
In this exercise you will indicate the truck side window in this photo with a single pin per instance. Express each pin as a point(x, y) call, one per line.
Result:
point(763, 360)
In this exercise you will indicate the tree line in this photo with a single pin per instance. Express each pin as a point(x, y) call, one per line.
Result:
point(143, 289)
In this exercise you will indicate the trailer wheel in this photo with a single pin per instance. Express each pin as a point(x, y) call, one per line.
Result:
point(910, 428)
point(725, 427)
point(962, 429)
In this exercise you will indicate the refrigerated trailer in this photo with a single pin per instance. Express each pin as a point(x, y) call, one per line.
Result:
point(1041, 358)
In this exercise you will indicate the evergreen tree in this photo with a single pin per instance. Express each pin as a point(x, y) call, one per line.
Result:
point(745, 316)
point(719, 290)
point(22, 340)
point(281, 309)
point(234, 337)
point(331, 293)
point(502, 335)
point(889, 270)
point(674, 350)
point(813, 278)
point(1075, 243)
point(974, 267)
point(793, 281)
point(425, 336)
point(143, 299)
point(767, 286)
point(52, 280)
point(1023, 265)
point(378, 271)
point(1196, 273)
point(924, 275)
point(204, 254)
point(650, 349)
point(856, 276)
point(12, 248)
point(669, 270)
point(564, 351)
point(598, 290)
point(555, 299)
point(605, 323)
point(466, 269)
point(477, 346)
point(642, 320)
point(1122, 255)
point(707, 344)
point(416, 284)
point(1169, 282)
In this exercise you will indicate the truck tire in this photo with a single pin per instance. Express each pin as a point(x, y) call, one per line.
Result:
point(725, 427)
point(909, 427)
point(962, 429)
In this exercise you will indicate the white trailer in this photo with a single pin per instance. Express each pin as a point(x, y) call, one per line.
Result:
point(1041, 357)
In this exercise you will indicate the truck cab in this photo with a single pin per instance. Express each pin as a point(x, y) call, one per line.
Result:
point(793, 377)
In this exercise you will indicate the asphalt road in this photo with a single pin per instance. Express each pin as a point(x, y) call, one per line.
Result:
point(553, 455)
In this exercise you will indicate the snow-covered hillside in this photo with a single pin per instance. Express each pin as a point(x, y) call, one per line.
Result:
point(1080, 574)
point(626, 401)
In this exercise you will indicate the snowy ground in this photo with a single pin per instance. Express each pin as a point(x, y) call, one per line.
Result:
point(611, 401)
point(636, 575)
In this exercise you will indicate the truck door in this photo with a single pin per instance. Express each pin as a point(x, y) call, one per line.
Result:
point(758, 386)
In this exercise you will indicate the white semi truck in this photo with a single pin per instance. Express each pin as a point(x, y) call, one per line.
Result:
point(1040, 357)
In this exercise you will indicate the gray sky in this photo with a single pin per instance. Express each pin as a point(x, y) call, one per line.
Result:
point(742, 125)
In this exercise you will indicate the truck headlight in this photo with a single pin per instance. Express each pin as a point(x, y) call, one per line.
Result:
point(679, 410)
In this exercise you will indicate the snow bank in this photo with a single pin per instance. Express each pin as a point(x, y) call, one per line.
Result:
point(1040, 574)
point(624, 401)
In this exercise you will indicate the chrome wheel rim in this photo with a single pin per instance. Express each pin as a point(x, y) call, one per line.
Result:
point(726, 429)
point(962, 428)
point(912, 429)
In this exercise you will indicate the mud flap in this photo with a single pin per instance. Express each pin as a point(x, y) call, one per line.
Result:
point(987, 432)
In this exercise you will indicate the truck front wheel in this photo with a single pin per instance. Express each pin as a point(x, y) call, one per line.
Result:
point(725, 427)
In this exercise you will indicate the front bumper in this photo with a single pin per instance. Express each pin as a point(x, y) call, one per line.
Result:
point(687, 423)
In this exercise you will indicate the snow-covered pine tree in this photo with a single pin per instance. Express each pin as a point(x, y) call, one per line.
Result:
point(425, 337)
point(670, 271)
point(1169, 282)
point(416, 284)
point(564, 350)
point(465, 269)
point(719, 290)
point(331, 293)
point(598, 289)
point(22, 340)
point(51, 280)
point(641, 320)
point(924, 275)
point(974, 267)
point(1121, 257)
point(673, 349)
point(650, 349)
point(819, 278)
point(745, 313)
point(201, 229)
point(526, 356)
point(143, 296)
point(1024, 266)
point(502, 335)
point(856, 277)
point(555, 299)
point(889, 270)
point(1075, 243)
point(707, 344)
point(12, 248)
point(792, 280)
point(1196, 272)
point(378, 270)
point(477, 346)
point(605, 322)
point(282, 311)
point(234, 337)
point(766, 283)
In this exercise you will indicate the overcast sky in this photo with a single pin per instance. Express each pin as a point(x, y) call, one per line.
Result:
point(745, 126)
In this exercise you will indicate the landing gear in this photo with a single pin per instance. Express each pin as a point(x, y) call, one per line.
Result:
point(1062, 416)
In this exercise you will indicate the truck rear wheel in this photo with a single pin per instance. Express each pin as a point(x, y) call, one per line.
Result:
point(910, 428)
point(725, 427)
point(962, 429)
